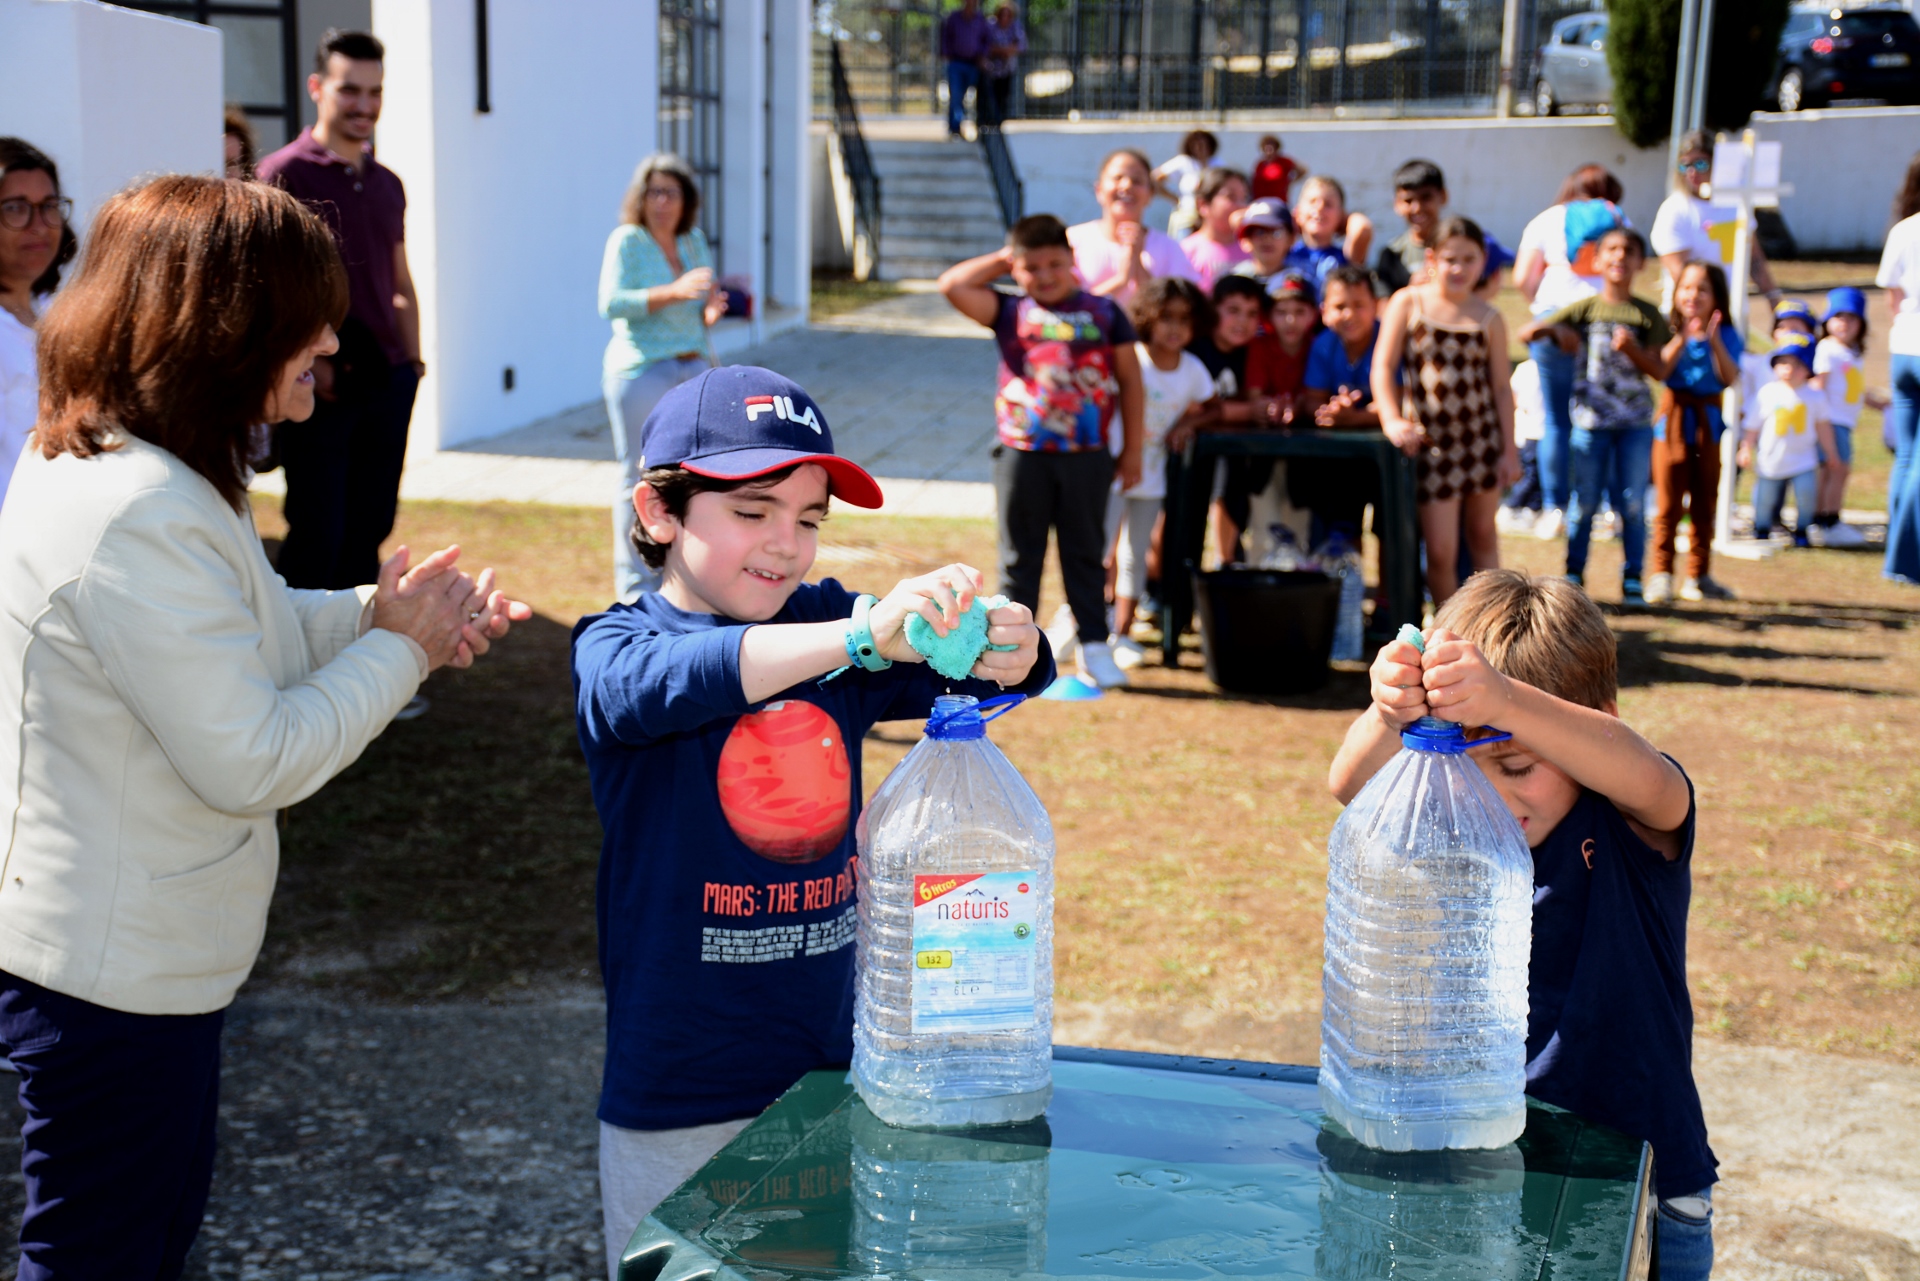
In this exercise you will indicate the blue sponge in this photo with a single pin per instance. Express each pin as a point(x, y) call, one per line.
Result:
point(954, 654)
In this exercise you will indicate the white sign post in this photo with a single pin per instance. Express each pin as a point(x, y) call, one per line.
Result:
point(1746, 177)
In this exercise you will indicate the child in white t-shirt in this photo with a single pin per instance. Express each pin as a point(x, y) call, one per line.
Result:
point(1523, 502)
point(1166, 314)
point(1756, 366)
point(1839, 369)
point(1785, 449)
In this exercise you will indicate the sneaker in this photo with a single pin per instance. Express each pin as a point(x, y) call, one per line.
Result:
point(416, 707)
point(1659, 589)
point(1844, 535)
point(1097, 665)
point(1128, 653)
point(1514, 520)
point(1550, 524)
point(1800, 538)
point(1698, 589)
point(1630, 593)
point(1063, 634)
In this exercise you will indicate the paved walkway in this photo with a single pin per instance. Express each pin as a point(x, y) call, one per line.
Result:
point(907, 386)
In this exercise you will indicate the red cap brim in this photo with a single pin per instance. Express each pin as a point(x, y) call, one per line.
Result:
point(846, 479)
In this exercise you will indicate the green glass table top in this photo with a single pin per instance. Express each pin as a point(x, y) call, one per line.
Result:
point(1146, 1166)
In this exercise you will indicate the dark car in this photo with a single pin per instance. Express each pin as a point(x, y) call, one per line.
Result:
point(1828, 53)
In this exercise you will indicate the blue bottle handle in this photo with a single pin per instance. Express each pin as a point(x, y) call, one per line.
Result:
point(1004, 703)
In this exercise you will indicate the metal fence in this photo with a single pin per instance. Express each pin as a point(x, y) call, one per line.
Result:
point(1100, 58)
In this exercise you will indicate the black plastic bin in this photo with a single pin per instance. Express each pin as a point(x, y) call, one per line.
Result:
point(1266, 631)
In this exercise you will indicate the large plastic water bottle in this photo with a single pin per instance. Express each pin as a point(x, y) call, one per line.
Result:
point(1419, 1215)
point(953, 1003)
point(943, 1205)
point(1429, 919)
point(1341, 560)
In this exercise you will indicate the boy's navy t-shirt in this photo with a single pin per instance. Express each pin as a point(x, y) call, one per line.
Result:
point(725, 899)
point(1609, 1020)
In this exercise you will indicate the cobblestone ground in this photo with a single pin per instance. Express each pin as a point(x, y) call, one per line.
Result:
point(441, 1143)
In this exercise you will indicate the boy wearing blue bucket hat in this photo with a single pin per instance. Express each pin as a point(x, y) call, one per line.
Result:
point(1839, 370)
point(727, 773)
point(1785, 448)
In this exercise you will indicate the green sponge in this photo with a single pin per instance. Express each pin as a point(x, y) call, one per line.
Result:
point(954, 654)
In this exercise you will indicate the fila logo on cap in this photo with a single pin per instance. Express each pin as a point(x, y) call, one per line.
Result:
point(782, 408)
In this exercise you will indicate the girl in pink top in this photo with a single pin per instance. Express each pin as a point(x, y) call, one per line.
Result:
point(1115, 254)
point(1215, 249)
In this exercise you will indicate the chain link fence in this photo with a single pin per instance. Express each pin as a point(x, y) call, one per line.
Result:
point(1107, 58)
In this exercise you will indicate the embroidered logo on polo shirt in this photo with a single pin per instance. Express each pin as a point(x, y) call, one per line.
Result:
point(1586, 852)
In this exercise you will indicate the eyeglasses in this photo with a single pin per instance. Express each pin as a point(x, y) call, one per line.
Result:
point(1696, 166)
point(18, 215)
point(665, 193)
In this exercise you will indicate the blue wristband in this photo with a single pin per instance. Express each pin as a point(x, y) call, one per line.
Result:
point(861, 647)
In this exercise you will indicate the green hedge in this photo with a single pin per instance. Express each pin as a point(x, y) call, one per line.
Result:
point(1642, 45)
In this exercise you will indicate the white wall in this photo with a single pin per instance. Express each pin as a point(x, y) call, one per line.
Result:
point(1845, 165)
point(110, 94)
point(508, 213)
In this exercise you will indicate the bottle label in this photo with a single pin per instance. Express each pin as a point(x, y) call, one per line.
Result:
point(973, 947)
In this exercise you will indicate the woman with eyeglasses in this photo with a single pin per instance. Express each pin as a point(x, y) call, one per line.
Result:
point(36, 240)
point(657, 287)
point(1690, 229)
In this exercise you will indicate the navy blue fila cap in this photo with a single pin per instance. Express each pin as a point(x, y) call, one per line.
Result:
point(739, 422)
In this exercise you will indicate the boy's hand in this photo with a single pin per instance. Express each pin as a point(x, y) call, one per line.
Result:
point(1399, 697)
point(940, 598)
point(1461, 685)
point(1623, 339)
point(1009, 625)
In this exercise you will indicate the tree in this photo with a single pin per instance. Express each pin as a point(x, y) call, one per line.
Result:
point(1643, 41)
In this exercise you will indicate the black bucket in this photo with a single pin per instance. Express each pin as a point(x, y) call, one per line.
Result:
point(1267, 631)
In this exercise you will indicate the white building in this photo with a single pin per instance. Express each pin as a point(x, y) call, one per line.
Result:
point(515, 125)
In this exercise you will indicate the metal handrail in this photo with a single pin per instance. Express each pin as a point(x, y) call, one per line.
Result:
point(861, 175)
point(1007, 188)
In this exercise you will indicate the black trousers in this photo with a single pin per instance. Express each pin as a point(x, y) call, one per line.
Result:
point(1065, 494)
point(117, 1148)
point(343, 482)
point(994, 102)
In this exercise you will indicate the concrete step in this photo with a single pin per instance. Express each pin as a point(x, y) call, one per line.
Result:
point(948, 251)
point(912, 268)
point(972, 210)
point(938, 222)
point(984, 231)
point(952, 165)
point(913, 192)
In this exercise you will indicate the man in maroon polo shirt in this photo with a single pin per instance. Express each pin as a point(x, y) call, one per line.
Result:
point(343, 464)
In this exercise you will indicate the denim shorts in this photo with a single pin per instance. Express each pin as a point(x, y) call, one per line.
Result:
point(1685, 1241)
point(1842, 444)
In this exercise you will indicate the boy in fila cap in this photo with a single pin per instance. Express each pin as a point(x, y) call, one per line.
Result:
point(727, 772)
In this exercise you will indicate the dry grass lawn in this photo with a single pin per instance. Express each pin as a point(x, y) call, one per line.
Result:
point(459, 854)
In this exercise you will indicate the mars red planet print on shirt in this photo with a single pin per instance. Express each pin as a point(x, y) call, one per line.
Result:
point(785, 783)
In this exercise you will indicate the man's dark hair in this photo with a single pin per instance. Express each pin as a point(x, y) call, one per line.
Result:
point(1038, 231)
point(1635, 241)
point(354, 46)
point(1416, 174)
point(677, 487)
point(1351, 274)
point(1240, 286)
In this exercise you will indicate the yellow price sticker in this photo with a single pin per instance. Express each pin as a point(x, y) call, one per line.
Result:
point(934, 960)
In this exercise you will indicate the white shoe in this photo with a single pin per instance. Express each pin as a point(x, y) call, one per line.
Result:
point(1845, 535)
point(1550, 524)
point(1063, 634)
point(1096, 663)
point(1514, 520)
point(1659, 590)
point(1699, 589)
point(1128, 653)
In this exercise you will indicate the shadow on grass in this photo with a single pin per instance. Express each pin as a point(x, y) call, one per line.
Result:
point(1760, 653)
point(1645, 661)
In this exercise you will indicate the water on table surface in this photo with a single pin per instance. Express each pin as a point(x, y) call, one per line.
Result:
point(1132, 1173)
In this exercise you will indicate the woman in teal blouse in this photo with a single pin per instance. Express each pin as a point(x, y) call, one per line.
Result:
point(656, 286)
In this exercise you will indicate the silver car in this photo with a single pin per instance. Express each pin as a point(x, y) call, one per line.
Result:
point(1573, 66)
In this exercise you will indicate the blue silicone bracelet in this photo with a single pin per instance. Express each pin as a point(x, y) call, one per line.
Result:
point(861, 647)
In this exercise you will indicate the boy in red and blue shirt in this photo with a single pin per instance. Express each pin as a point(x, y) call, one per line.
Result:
point(1067, 362)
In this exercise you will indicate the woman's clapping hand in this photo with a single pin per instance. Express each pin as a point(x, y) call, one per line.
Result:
point(450, 615)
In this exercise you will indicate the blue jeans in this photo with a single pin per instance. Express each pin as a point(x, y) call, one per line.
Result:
point(1526, 491)
point(1556, 391)
point(117, 1146)
point(1770, 496)
point(1614, 463)
point(630, 398)
point(1684, 1243)
point(961, 76)
point(1903, 487)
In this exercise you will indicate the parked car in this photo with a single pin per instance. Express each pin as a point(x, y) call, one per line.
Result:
point(1573, 69)
point(1828, 53)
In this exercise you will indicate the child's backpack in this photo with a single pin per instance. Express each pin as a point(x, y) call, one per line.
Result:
point(1587, 221)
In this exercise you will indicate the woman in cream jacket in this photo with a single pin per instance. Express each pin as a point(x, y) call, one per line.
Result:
point(163, 693)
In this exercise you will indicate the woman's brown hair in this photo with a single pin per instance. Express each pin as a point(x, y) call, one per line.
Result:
point(1907, 203)
point(192, 296)
point(1590, 182)
point(633, 207)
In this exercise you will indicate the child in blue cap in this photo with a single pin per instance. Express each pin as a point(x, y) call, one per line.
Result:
point(1792, 433)
point(727, 773)
point(1839, 370)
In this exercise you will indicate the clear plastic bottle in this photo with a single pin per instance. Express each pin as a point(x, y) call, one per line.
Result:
point(1340, 559)
point(1414, 1216)
point(1429, 922)
point(930, 1204)
point(953, 1000)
